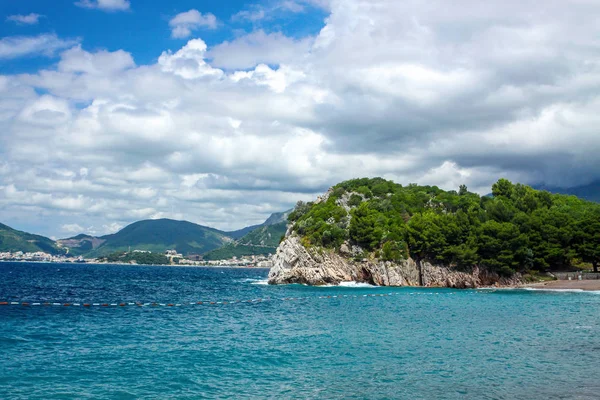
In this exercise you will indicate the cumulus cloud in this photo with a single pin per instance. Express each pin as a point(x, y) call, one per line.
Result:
point(189, 61)
point(223, 136)
point(29, 19)
point(105, 5)
point(259, 47)
point(73, 228)
point(45, 44)
point(183, 24)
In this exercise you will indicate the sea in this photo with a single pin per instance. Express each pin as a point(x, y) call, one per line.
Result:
point(142, 334)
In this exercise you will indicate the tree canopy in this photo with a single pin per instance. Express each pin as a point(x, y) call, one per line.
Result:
point(516, 229)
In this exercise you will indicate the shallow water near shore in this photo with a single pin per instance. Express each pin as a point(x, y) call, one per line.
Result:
point(412, 343)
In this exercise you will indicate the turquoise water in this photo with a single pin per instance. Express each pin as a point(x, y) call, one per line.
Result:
point(414, 344)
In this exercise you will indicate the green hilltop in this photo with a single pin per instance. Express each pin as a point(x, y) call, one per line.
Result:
point(156, 236)
point(518, 229)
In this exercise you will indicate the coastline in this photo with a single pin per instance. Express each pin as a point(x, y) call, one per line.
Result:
point(133, 265)
point(585, 285)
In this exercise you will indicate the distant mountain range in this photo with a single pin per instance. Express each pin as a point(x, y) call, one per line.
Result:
point(589, 192)
point(263, 239)
point(157, 236)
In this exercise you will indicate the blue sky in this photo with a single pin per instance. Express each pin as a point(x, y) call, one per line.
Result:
point(223, 112)
point(143, 29)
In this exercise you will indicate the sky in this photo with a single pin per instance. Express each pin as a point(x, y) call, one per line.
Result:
point(223, 112)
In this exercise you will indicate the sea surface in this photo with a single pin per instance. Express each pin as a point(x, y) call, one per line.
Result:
point(332, 343)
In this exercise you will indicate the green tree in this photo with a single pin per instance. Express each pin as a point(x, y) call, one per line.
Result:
point(587, 239)
point(502, 188)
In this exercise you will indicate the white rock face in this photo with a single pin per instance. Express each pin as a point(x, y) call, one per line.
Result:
point(293, 263)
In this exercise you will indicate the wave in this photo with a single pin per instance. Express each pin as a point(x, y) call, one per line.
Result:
point(353, 284)
point(259, 282)
point(349, 284)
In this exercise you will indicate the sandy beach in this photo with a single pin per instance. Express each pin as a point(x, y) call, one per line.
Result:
point(590, 284)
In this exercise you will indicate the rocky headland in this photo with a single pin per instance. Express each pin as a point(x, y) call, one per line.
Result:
point(294, 263)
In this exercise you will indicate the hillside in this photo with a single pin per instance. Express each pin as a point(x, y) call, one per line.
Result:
point(12, 240)
point(262, 240)
point(153, 235)
point(80, 244)
point(519, 229)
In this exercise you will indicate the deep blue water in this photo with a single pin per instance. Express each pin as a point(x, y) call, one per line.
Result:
point(415, 344)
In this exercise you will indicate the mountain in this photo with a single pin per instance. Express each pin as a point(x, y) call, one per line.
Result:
point(156, 235)
point(12, 240)
point(80, 244)
point(242, 232)
point(275, 218)
point(262, 240)
point(589, 192)
point(383, 233)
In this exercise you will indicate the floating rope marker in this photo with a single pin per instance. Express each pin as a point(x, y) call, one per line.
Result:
point(211, 303)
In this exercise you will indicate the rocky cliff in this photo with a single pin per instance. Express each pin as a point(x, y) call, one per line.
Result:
point(293, 263)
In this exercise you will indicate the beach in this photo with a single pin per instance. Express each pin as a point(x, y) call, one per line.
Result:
point(586, 284)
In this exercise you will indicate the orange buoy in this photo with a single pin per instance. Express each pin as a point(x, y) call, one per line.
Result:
point(25, 304)
point(104, 305)
point(3, 303)
point(122, 304)
point(86, 305)
point(199, 302)
point(66, 304)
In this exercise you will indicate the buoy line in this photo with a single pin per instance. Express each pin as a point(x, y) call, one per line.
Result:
point(191, 304)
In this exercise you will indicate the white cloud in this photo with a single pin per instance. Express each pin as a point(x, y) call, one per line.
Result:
point(29, 19)
point(411, 91)
point(259, 47)
point(253, 15)
point(183, 24)
point(45, 44)
point(189, 61)
point(256, 13)
point(72, 228)
point(106, 5)
point(101, 62)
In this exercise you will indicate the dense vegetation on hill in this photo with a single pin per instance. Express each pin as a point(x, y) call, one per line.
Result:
point(12, 240)
point(160, 235)
point(238, 250)
point(136, 258)
point(518, 229)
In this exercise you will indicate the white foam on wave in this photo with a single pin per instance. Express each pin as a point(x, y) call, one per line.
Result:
point(349, 284)
point(254, 281)
point(260, 282)
point(353, 284)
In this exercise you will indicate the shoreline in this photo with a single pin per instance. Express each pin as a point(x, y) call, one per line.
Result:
point(585, 285)
point(132, 265)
